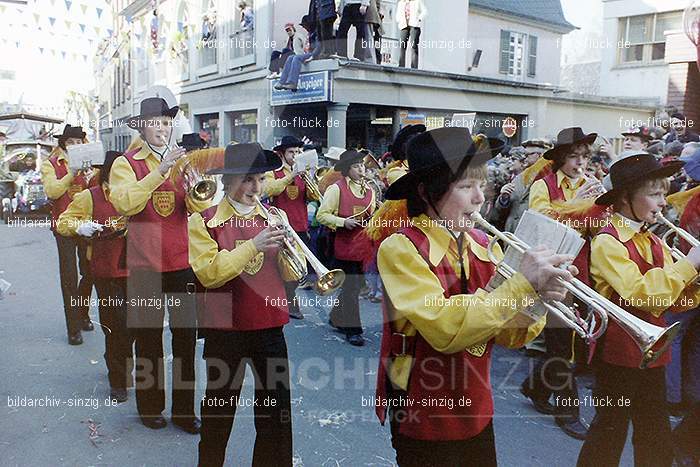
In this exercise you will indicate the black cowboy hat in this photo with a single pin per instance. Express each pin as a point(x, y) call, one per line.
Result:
point(348, 158)
point(643, 132)
point(451, 147)
point(71, 132)
point(307, 20)
point(632, 170)
point(151, 107)
point(398, 146)
point(289, 142)
point(566, 139)
point(191, 141)
point(246, 159)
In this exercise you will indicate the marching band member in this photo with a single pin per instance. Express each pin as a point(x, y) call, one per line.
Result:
point(234, 253)
point(345, 205)
point(631, 267)
point(565, 185)
point(439, 322)
point(399, 167)
point(288, 192)
point(90, 212)
point(159, 270)
point(61, 184)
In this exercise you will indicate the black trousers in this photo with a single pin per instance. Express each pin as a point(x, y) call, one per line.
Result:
point(278, 59)
point(227, 354)
point(479, 451)
point(646, 392)
point(346, 314)
point(553, 374)
point(325, 35)
point(414, 35)
point(687, 433)
point(148, 292)
point(74, 291)
point(119, 340)
point(352, 17)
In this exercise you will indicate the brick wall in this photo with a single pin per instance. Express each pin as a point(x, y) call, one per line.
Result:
point(684, 90)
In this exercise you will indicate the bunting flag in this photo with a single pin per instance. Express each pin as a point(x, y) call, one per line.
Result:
point(68, 4)
point(99, 12)
point(82, 27)
point(68, 24)
point(109, 32)
point(63, 54)
point(52, 20)
point(2, 8)
point(36, 18)
point(41, 50)
point(83, 7)
point(53, 2)
point(85, 58)
point(98, 29)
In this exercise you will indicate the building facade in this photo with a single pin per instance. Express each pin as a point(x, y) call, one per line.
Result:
point(214, 57)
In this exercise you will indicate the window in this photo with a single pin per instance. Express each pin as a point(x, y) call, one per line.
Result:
point(244, 126)
point(242, 36)
point(532, 56)
point(208, 44)
point(643, 36)
point(512, 58)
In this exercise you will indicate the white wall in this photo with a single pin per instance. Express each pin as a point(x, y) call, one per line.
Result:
point(632, 81)
point(485, 34)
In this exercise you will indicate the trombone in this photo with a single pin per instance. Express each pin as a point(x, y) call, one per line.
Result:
point(644, 334)
point(680, 233)
point(328, 280)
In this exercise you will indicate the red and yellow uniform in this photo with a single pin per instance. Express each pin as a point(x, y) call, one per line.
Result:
point(224, 258)
point(553, 187)
point(157, 211)
point(633, 268)
point(59, 183)
point(434, 328)
point(289, 193)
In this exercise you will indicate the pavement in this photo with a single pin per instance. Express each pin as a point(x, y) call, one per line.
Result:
point(331, 384)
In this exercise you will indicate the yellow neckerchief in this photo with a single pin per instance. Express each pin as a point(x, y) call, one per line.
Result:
point(562, 177)
point(225, 211)
point(440, 240)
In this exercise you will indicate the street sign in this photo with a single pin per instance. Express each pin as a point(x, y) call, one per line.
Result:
point(312, 87)
point(509, 127)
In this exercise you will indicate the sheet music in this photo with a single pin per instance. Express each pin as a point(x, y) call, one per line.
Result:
point(536, 229)
point(94, 153)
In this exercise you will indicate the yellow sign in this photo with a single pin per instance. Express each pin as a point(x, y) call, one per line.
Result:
point(163, 202)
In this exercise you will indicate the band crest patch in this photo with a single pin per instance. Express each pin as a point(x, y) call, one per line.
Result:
point(255, 264)
point(477, 350)
point(163, 202)
point(292, 192)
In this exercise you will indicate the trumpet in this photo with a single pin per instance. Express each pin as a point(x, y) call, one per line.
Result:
point(646, 335)
point(311, 185)
point(680, 233)
point(328, 280)
point(367, 183)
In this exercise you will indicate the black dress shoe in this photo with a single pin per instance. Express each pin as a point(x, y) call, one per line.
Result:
point(87, 325)
point(119, 394)
point(190, 425)
point(357, 340)
point(542, 406)
point(154, 423)
point(573, 427)
point(75, 339)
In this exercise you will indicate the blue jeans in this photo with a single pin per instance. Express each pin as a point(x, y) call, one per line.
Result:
point(292, 68)
point(683, 373)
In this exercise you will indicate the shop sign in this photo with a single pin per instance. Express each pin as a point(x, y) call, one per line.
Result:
point(312, 87)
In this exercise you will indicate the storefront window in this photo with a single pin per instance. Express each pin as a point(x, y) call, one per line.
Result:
point(244, 127)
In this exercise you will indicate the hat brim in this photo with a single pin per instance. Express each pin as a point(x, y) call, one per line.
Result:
point(347, 162)
point(81, 136)
point(272, 162)
point(558, 151)
point(407, 184)
point(639, 135)
point(609, 197)
point(135, 122)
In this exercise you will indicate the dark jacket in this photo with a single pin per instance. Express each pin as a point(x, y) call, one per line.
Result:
point(321, 10)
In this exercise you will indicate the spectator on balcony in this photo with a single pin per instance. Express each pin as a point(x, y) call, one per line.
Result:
point(290, 74)
point(374, 19)
point(295, 46)
point(410, 15)
point(247, 16)
point(355, 13)
point(323, 13)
